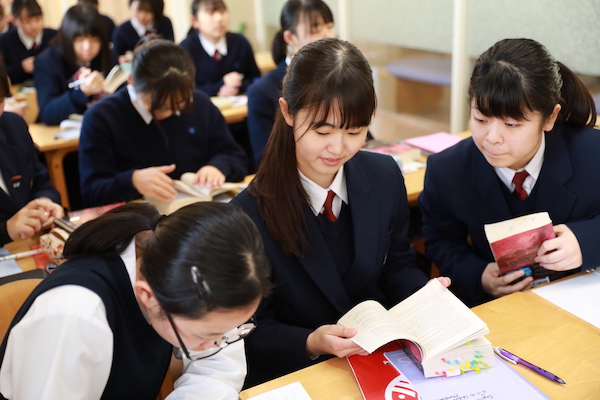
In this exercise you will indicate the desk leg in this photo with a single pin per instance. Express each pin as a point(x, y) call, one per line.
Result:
point(54, 160)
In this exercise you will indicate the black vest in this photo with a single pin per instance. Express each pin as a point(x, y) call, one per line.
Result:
point(140, 356)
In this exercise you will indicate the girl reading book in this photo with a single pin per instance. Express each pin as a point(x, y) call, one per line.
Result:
point(138, 287)
point(333, 220)
point(302, 22)
point(225, 64)
point(532, 120)
point(138, 140)
point(80, 56)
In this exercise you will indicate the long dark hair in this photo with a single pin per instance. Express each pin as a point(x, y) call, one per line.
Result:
point(326, 74)
point(165, 70)
point(219, 239)
point(515, 76)
point(291, 14)
point(83, 20)
point(156, 7)
point(211, 5)
point(4, 86)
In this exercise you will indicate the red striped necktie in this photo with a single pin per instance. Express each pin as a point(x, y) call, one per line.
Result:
point(328, 211)
point(518, 180)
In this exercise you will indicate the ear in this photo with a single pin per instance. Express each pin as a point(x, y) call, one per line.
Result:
point(145, 295)
point(549, 124)
point(289, 38)
point(195, 22)
point(283, 106)
point(130, 80)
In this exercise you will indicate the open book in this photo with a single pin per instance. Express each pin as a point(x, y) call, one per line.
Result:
point(440, 327)
point(188, 193)
point(403, 154)
point(515, 243)
point(77, 218)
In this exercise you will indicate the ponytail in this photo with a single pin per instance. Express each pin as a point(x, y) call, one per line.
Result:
point(279, 47)
point(578, 108)
point(111, 233)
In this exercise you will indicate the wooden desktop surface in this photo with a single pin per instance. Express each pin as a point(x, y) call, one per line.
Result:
point(523, 323)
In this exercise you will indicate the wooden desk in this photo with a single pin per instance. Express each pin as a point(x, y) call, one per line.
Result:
point(523, 323)
point(264, 61)
point(55, 150)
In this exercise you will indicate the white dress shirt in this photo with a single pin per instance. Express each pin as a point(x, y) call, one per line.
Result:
point(3, 184)
point(27, 41)
point(317, 195)
point(209, 47)
point(533, 168)
point(63, 346)
point(141, 29)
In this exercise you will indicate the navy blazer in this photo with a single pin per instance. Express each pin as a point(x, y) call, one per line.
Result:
point(125, 37)
point(462, 193)
point(309, 291)
point(14, 52)
point(25, 176)
point(263, 96)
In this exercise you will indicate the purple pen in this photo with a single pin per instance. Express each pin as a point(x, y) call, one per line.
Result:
point(516, 360)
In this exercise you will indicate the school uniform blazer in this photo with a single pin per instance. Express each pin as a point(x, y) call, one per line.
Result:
point(125, 36)
point(263, 96)
point(309, 291)
point(462, 193)
point(14, 52)
point(209, 73)
point(26, 178)
point(51, 78)
point(115, 141)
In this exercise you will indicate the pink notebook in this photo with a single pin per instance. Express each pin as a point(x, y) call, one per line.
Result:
point(435, 142)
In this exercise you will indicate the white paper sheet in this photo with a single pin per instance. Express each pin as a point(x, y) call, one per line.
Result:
point(8, 267)
point(580, 296)
point(293, 391)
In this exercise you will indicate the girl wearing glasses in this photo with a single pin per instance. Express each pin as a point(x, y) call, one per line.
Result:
point(334, 220)
point(137, 284)
point(135, 142)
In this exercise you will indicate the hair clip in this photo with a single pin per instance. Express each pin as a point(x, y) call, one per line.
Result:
point(204, 291)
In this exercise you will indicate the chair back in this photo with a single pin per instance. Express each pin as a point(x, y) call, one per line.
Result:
point(12, 296)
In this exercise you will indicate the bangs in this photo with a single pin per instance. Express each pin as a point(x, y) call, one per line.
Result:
point(171, 91)
point(212, 5)
point(499, 92)
point(316, 14)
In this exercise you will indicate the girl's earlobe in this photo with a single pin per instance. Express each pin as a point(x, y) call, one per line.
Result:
point(288, 37)
point(283, 106)
point(549, 124)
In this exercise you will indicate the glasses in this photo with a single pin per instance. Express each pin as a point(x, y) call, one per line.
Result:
point(228, 338)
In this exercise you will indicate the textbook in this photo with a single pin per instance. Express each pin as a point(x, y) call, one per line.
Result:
point(515, 243)
point(401, 153)
point(435, 142)
point(77, 218)
point(188, 193)
point(438, 325)
point(378, 380)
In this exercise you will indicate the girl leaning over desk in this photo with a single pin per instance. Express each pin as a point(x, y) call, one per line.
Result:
point(79, 50)
point(136, 286)
point(528, 113)
point(325, 258)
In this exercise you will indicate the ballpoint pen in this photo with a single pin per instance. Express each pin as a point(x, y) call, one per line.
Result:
point(508, 356)
point(20, 255)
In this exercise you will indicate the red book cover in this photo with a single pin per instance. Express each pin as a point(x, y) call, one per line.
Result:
point(378, 379)
point(78, 218)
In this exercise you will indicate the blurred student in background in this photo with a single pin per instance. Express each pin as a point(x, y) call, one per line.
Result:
point(21, 46)
point(110, 24)
point(80, 56)
point(302, 22)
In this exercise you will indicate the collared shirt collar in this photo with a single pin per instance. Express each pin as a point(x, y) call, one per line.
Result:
point(139, 105)
point(317, 195)
point(209, 47)
point(288, 59)
point(139, 28)
point(27, 41)
point(534, 167)
point(128, 257)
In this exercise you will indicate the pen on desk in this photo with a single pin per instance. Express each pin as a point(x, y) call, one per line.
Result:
point(510, 357)
point(21, 255)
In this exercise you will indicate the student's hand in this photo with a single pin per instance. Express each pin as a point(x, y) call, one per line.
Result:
point(34, 216)
point(444, 280)
point(233, 79)
point(561, 253)
point(498, 286)
point(228, 91)
point(93, 83)
point(209, 176)
point(16, 106)
point(333, 339)
point(27, 64)
point(154, 182)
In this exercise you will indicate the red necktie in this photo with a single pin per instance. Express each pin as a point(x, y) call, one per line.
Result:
point(35, 46)
point(518, 180)
point(328, 212)
point(217, 56)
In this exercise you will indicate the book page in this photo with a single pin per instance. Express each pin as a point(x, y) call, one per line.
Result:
point(437, 319)
point(374, 324)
